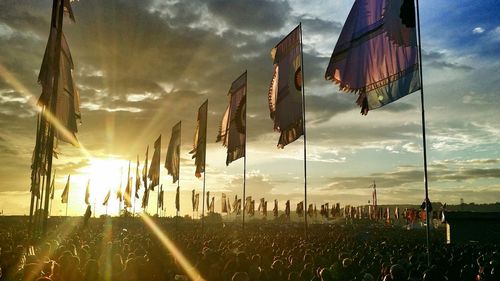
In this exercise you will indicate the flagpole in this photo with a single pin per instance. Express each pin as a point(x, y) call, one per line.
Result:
point(303, 124)
point(204, 174)
point(179, 167)
point(424, 146)
point(245, 158)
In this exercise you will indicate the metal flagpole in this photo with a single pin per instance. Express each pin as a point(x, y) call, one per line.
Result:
point(179, 168)
point(245, 158)
point(204, 174)
point(303, 125)
point(424, 146)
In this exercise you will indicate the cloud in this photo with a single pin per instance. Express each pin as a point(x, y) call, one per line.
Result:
point(478, 30)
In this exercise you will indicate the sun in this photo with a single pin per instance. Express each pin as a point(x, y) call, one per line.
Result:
point(104, 174)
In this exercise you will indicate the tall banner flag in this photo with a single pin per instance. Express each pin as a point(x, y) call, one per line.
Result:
point(310, 210)
point(196, 202)
point(376, 55)
point(52, 186)
point(275, 209)
point(232, 130)
point(160, 197)
point(228, 204)
point(287, 208)
point(192, 200)
point(211, 208)
point(137, 179)
point(200, 140)
point(300, 209)
point(235, 203)
point(248, 202)
point(154, 169)
point(145, 170)
point(172, 162)
point(87, 193)
point(127, 197)
point(145, 196)
point(285, 92)
point(264, 209)
point(58, 76)
point(223, 203)
point(65, 194)
point(106, 198)
point(237, 209)
point(177, 200)
point(208, 200)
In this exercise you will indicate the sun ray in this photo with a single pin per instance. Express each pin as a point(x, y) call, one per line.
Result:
point(21, 89)
point(188, 268)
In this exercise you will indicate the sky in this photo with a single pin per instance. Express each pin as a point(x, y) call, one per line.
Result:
point(142, 66)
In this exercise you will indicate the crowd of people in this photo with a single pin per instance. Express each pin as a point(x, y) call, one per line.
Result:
point(127, 249)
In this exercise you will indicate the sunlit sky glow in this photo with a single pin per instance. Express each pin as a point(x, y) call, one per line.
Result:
point(141, 66)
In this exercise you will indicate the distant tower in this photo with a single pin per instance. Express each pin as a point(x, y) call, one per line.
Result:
point(461, 201)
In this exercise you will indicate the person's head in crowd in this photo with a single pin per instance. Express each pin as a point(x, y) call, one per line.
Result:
point(240, 276)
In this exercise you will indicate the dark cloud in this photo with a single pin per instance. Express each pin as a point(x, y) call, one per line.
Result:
point(256, 15)
point(408, 175)
point(438, 60)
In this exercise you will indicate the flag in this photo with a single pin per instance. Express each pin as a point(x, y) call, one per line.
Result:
point(145, 170)
point(154, 169)
point(177, 200)
point(137, 179)
point(315, 211)
point(261, 205)
point(228, 204)
point(192, 199)
point(275, 209)
point(287, 208)
point(67, 110)
point(285, 92)
point(127, 198)
point(238, 207)
point(196, 201)
point(87, 193)
point(145, 198)
point(235, 202)
point(376, 54)
point(232, 130)
point(300, 209)
point(247, 206)
point(208, 200)
point(65, 194)
point(200, 140)
point(119, 194)
point(211, 208)
point(252, 208)
point(160, 197)
point(396, 213)
point(223, 203)
point(53, 186)
point(310, 210)
point(264, 209)
point(87, 215)
point(106, 198)
point(172, 162)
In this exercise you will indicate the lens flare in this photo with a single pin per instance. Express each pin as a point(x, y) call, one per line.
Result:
point(188, 268)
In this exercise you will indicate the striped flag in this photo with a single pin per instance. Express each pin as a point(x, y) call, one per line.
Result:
point(172, 162)
point(285, 92)
point(154, 169)
point(65, 194)
point(200, 140)
point(376, 54)
point(232, 130)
